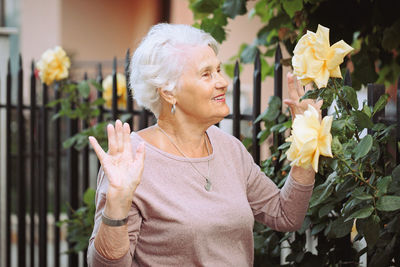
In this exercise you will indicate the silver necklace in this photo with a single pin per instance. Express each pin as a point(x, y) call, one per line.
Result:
point(207, 186)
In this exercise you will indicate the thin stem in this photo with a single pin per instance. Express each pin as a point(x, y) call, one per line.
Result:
point(359, 177)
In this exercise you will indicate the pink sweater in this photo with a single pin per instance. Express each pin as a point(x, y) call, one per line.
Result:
point(174, 221)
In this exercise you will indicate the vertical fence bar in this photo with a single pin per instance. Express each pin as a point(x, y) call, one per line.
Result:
point(99, 79)
point(256, 106)
point(129, 96)
point(114, 90)
point(57, 174)
point(33, 184)
point(85, 163)
point(21, 171)
point(73, 178)
point(398, 122)
point(43, 181)
point(278, 73)
point(277, 139)
point(85, 152)
point(236, 116)
point(374, 92)
point(8, 165)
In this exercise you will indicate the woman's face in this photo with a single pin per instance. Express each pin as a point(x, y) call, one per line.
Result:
point(201, 88)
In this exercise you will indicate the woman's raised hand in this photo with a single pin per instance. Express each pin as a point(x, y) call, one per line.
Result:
point(296, 91)
point(122, 168)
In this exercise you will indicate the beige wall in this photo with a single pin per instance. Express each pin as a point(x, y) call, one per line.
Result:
point(93, 30)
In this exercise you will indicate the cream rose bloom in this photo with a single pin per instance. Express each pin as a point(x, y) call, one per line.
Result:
point(121, 90)
point(53, 65)
point(315, 60)
point(310, 138)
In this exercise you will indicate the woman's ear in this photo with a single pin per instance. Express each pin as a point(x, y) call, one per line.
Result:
point(168, 96)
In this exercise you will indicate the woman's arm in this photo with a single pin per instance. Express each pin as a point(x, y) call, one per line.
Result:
point(123, 170)
point(106, 247)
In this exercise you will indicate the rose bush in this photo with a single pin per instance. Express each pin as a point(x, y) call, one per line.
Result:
point(357, 191)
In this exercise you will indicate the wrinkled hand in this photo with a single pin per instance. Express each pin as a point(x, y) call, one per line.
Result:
point(296, 91)
point(122, 168)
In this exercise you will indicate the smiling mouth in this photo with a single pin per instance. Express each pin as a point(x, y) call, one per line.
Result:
point(219, 98)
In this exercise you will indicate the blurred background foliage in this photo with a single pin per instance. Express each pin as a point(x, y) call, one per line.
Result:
point(371, 26)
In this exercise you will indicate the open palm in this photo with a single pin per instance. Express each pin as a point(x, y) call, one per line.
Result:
point(296, 91)
point(122, 168)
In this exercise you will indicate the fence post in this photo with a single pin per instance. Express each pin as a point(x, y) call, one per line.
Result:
point(57, 172)
point(33, 162)
point(43, 181)
point(8, 165)
point(114, 90)
point(21, 171)
point(236, 102)
point(398, 122)
point(256, 106)
point(73, 178)
point(278, 89)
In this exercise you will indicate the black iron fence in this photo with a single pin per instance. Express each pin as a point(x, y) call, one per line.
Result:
point(41, 176)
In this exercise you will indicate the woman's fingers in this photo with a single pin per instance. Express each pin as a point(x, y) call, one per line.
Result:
point(292, 86)
point(139, 161)
point(119, 136)
point(112, 142)
point(101, 155)
point(127, 138)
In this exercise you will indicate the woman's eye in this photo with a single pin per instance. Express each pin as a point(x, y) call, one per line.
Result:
point(206, 74)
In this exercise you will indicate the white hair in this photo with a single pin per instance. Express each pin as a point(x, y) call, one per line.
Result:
point(157, 62)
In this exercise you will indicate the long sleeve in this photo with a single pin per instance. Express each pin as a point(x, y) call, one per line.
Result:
point(281, 209)
point(134, 221)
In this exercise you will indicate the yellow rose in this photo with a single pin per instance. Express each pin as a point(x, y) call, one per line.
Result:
point(315, 60)
point(121, 90)
point(310, 138)
point(53, 65)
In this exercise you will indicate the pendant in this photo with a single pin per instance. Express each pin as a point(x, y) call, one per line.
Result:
point(208, 185)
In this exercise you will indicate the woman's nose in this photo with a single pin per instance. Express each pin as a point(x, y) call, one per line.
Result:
point(221, 81)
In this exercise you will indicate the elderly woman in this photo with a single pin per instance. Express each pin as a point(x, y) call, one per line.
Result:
point(192, 200)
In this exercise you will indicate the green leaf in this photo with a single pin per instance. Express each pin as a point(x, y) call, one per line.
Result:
point(324, 210)
point(89, 196)
point(350, 96)
point(340, 228)
point(388, 203)
point(382, 185)
point(320, 193)
point(248, 54)
point(232, 8)
point(291, 6)
point(310, 94)
point(361, 213)
point(396, 172)
point(369, 229)
point(205, 6)
point(362, 120)
point(363, 147)
point(273, 110)
point(317, 228)
point(367, 110)
point(217, 31)
point(84, 89)
point(381, 103)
